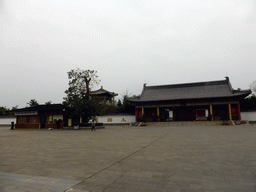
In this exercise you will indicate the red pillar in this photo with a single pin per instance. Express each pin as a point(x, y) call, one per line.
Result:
point(158, 113)
point(238, 111)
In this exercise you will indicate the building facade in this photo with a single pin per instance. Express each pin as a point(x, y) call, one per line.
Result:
point(201, 101)
point(40, 116)
point(55, 115)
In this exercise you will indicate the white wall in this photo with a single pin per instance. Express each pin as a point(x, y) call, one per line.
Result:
point(248, 116)
point(7, 120)
point(116, 119)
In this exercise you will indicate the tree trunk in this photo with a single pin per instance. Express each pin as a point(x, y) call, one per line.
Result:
point(87, 81)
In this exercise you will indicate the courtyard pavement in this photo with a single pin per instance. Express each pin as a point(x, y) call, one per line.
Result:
point(123, 158)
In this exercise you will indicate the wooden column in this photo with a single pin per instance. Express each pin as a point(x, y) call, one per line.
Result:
point(142, 111)
point(238, 111)
point(229, 111)
point(136, 114)
point(211, 113)
point(50, 118)
point(158, 113)
point(69, 122)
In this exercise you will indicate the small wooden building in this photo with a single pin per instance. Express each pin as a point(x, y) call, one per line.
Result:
point(213, 100)
point(40, 116)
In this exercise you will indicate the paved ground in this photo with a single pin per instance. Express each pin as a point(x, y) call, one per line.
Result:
point(202, 158)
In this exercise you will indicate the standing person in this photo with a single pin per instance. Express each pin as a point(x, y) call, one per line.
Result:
point(93, 126)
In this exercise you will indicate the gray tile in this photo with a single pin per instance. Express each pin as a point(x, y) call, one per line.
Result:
point(9, 180)
point(192, 158)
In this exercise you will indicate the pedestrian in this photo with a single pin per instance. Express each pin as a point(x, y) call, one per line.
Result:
point(93, 126)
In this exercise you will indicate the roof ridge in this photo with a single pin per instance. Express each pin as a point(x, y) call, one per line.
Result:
point(220, 82)
point(197, 90)
point(95, 92)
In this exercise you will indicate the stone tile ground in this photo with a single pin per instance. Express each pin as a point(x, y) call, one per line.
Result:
point(152, 158)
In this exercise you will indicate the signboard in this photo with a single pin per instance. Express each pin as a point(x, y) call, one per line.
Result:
point(26, 113)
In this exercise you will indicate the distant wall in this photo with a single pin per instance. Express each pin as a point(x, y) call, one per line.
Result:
point(28, 126)
point(248, 116)
point(116, 119)
point(7, 120)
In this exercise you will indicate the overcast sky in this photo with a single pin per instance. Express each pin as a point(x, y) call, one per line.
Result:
point(129, 43)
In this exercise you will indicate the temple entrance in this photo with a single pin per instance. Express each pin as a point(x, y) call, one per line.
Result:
point(184, 114)
point(42, 121)
point(151, 114)
point(220, 112)
point(192, 112)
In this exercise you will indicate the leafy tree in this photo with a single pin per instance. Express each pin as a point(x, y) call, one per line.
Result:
point(3, 111)
point(128, 107)
point(15, 107)
point(6, 111)
point(125, 106)
point(249, 103)
point(12, 112)
point(48, 102)
point(119, 103)
point(81, 82)
point(32, 103)
point(78, 94)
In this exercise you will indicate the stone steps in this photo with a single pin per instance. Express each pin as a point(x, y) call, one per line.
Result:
point(184, 123)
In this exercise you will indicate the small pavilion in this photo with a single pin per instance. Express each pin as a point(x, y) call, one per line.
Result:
point(200, 101)
point(103, 95)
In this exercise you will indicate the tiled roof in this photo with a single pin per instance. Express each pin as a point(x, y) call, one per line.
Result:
point(42, 108)
point(102, 92)
point(200, 90)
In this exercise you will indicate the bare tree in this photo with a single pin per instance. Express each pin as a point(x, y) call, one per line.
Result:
point(81, 81)
point(253, 87)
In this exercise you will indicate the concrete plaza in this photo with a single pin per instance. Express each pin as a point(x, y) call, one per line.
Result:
point(151, 158)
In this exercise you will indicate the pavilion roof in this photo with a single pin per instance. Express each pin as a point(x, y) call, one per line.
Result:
point(198, 90)
point(102, 92)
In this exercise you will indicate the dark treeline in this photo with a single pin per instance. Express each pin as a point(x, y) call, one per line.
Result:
point(7, 112)
point(248, 104)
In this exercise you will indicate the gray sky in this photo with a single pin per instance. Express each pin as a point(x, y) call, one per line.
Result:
point(129, 43)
